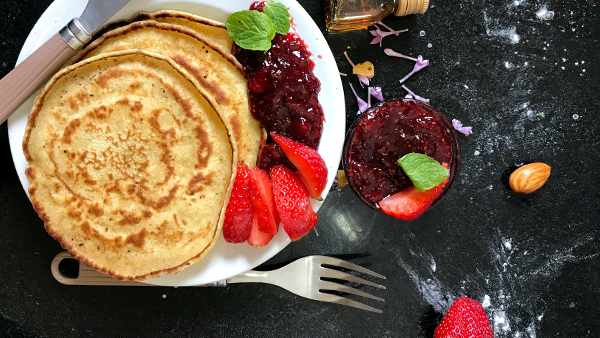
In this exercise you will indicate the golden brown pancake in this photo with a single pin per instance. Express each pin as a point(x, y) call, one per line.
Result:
point(130, 164)
point(219, 74)
point(213, 32)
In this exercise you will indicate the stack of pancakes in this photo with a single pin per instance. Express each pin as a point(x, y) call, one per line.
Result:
point(133, 147)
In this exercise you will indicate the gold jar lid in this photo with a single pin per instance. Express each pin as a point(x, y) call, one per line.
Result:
point(407, 7)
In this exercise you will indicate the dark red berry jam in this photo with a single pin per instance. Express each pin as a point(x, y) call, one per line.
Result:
point(385, 133)
point(258, 6)
point(283, 93)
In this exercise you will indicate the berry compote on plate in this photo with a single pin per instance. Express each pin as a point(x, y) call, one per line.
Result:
point(385, 133)
point(283, 93)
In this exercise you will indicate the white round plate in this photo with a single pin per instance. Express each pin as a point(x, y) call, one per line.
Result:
point(224, 260)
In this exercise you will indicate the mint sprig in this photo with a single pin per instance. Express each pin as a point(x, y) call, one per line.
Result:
point(278, 13)
point(254, 30)
point(251, 29)
point(424, 172)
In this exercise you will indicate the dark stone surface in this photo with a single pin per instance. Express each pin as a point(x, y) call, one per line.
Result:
point(535, 257)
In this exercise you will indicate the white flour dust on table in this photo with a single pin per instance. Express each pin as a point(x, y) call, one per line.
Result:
point(506, 291)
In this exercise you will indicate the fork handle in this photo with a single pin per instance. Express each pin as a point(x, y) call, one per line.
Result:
point(250, 277)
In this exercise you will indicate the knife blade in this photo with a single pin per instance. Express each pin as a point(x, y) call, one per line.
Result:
point(18, 85)
point(97, 12)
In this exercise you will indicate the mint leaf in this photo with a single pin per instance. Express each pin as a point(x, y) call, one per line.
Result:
point(251, 29)
point(425, 172)
point(277, 12)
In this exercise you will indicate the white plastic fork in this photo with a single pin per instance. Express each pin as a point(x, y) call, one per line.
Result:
point(303, 277)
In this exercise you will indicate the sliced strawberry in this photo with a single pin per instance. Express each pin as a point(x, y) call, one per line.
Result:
point(410, 203)
point(257, 238)
point(239, 212)
point(310, 165)
point(261, 194)
point(465, 318)
point(293, 205)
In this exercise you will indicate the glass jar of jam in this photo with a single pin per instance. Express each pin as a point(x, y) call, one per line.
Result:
point(386, 132)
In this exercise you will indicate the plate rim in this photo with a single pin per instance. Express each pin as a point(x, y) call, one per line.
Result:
point(33, 42)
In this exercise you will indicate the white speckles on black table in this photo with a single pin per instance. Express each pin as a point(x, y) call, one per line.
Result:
point(527, 82)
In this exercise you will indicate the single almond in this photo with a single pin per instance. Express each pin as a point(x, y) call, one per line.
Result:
point(342, 180)
point(529, 178)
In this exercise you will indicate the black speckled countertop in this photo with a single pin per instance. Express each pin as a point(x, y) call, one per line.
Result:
point(531, 90)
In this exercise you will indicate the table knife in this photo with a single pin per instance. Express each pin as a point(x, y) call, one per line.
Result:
point(18, 85)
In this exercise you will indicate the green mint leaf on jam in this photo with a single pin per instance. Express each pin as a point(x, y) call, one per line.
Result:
point(278, 13)
point(251, 29)
point(424, 172)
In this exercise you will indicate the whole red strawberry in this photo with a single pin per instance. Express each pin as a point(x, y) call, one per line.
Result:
point(465, 318)
point(293, 205)
point(239, 212)
point(311, 166)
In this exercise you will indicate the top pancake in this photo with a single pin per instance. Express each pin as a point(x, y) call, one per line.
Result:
point(219, 74)
point(130, 164)
point(213, 32)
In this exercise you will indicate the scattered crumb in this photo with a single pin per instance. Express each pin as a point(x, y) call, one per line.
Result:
point(341, 177)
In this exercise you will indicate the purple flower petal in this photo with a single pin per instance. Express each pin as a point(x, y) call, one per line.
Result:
point(364, 80)
point(391, 52)
point(379, 35)
point(459, 127)
point(414, 96)
point(420, 64)
point(391, 30)
point(362, 105)
point(377, 93)
point(376, 40)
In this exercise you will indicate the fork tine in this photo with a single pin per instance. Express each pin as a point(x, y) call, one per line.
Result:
point(350, 302)
point(330, 273)
point(347, 265)
point(331, 286)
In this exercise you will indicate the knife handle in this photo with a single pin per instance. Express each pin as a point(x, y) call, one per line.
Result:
point(32, 73)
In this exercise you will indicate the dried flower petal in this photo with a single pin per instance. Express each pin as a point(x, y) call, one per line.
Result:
point(377, 93)
point(348, 58)
point(379, 35)
point(412, 95)
point(459, 127)
point(342, 180)
point(391, 30)
point(366, 68)
point(364, 80)
point(362, 105)
point(418, 66)
point(391, 52)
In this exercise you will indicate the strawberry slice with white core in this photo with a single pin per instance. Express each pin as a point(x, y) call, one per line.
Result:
point(311, 166)
point(409, 204)
point(261, 193)
point(257, 238)
point(239, 212)
point(293, 204)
